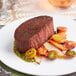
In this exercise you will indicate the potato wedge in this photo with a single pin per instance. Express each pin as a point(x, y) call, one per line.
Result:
point(37, 59)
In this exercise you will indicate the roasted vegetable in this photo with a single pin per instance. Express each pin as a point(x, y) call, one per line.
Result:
point(37, 59)
point(42, 51)
point(59, 46)
point(59, 38)
point(31, 53)
point(70, 53)
point(61, 29)
point(52, 55)
point(63, 35)
point(70, 44)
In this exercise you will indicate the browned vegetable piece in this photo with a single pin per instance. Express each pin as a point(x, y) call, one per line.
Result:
point(59, 46)
point(31, 53)
point(61, 29)
point(42, 51)
point(59, 38)
point(52, 55)
point(70, 44)
point(69, 54)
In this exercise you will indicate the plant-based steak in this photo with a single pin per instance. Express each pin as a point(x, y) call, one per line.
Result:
point(34, 32)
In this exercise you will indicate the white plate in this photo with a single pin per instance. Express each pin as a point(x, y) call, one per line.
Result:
point(57, 67)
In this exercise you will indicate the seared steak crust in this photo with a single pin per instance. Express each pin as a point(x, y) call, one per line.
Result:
point(34, 32)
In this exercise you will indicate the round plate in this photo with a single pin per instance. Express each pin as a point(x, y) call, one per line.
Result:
point(57, 67)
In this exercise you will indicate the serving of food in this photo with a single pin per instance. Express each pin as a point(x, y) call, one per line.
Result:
point(35, 38)
point(40, 45)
